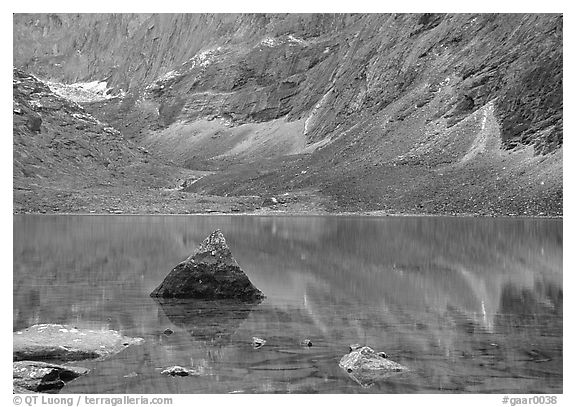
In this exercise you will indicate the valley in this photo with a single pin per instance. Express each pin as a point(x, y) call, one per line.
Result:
point(435, 114)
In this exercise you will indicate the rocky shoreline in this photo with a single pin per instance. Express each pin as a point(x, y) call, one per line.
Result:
point(293, 213)
point(42, 353)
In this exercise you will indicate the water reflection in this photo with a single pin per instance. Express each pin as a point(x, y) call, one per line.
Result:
point(209, 321)
point(470, 305)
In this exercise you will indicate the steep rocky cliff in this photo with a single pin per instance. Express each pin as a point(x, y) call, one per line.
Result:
point(412, 113)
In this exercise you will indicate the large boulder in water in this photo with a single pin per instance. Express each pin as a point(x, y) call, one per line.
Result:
point(210, 273)
point(367, 367)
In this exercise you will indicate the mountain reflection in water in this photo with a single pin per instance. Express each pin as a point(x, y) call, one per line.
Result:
point(469, 305)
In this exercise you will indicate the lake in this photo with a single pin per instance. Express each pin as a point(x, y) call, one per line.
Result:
point(470, 305)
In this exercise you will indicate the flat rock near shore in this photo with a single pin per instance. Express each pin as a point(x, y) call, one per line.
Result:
point(210, 273)
point(65, 343)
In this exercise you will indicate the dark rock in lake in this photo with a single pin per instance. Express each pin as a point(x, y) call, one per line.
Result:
point(63, 343)
point(366, 367)
point(34, 376)
point(209, 273)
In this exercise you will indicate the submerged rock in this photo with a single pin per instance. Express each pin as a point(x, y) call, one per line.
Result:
point(366, 367)
point(209, 273)
point(35, 376)
point(61, 342)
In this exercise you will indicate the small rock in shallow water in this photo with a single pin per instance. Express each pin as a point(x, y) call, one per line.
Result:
point(176, 371)
point(257, 342)
point(366, 367)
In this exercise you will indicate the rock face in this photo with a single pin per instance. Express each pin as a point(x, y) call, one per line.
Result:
point(34, 376)
point(325, 67)
point(64, 343)
point(366, 367)
point(60, 134)
point(210, 273)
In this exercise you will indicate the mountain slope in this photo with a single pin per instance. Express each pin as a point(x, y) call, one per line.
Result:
point(399, 113)
point(66, 160)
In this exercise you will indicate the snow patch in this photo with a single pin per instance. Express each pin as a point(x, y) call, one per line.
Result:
point(83, 92)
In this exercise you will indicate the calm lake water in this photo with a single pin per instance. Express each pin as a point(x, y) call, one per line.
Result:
point(469, 305)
